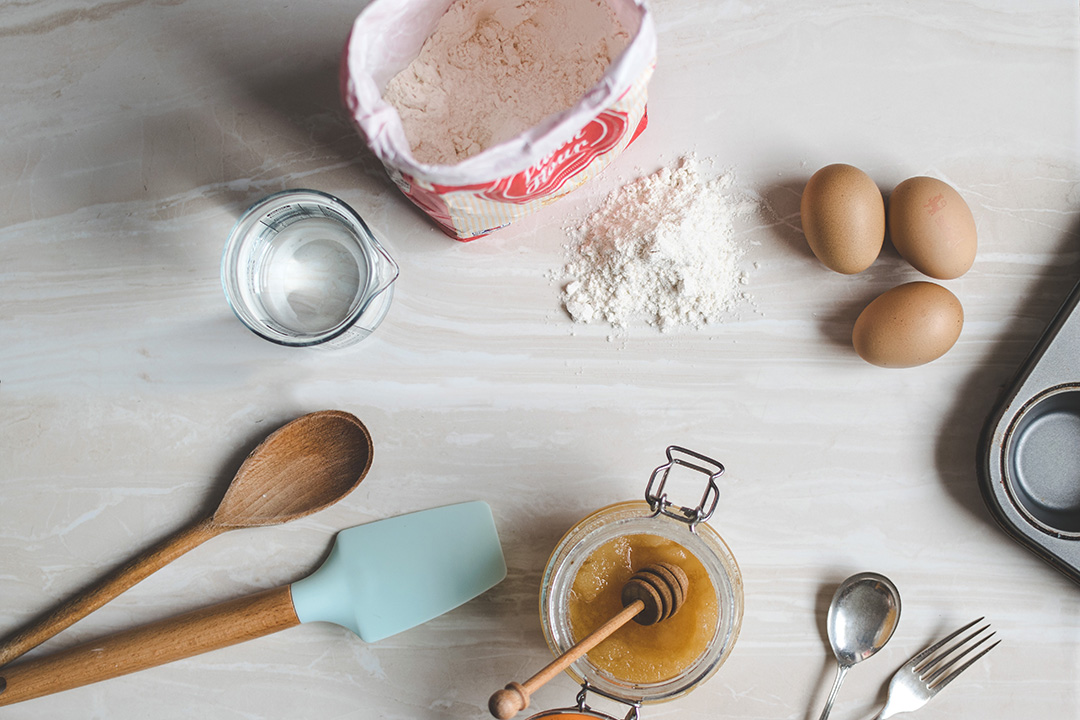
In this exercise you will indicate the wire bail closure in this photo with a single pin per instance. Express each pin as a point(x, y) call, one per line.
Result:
point(657, 498)
point(583, 707)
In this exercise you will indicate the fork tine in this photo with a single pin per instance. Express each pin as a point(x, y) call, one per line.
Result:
point(939, 664)
point(916, 661)
point(952, 676)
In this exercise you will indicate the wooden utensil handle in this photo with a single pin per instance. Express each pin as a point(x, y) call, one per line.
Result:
point(155, 644)
point(106, 589)
point(514, 697)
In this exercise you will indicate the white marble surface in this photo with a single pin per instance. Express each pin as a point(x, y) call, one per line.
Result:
point(135, 131)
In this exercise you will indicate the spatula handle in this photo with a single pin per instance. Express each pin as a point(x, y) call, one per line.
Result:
point(155, 644)
point(106, 589)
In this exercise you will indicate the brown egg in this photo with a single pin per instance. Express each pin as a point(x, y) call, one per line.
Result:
point(932, 227)
point(843, 218)
point(909, 325)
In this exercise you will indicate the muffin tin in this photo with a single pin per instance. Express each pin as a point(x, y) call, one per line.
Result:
point(1029, 454)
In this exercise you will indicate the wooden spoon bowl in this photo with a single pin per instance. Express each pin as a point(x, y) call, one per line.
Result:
point(299, 469)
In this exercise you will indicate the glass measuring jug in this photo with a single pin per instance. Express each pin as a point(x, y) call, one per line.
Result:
point(302, 269)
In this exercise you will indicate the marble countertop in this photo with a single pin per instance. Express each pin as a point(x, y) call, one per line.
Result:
point(134, 134)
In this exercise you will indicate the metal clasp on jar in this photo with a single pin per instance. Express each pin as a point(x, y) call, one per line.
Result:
point(657, 497)
point(583, 707)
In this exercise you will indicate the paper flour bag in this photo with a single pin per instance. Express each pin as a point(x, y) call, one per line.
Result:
point(516, 176)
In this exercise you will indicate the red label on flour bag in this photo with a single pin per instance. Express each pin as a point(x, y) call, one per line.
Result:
point(595, 139)
point(547, 180)
point(517, 177)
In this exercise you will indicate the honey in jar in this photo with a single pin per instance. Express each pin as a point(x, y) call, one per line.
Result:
point(642, 653)
point(582, 589)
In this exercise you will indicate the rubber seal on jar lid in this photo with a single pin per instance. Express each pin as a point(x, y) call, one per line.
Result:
point(571, 714)
point(582, 711)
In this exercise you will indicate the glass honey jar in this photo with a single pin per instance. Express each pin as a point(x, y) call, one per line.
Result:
point(583, 579)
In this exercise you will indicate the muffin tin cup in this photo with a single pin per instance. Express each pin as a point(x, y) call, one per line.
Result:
point(1042, 461)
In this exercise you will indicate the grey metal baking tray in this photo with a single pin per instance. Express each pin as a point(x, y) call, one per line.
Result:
point(1029, 452)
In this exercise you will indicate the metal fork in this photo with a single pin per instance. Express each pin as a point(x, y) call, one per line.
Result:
point(925, 675)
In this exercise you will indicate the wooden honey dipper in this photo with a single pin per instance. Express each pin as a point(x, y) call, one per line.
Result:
point(652, 594)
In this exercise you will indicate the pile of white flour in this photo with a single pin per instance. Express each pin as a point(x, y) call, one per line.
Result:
point(494, 68)
point(662, 249)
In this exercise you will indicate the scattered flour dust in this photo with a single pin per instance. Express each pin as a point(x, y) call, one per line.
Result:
point(662, 249)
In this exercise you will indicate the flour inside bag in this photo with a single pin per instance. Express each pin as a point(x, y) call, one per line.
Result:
point(484, 111)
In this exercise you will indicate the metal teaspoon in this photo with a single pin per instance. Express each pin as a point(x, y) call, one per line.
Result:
point(862, 616)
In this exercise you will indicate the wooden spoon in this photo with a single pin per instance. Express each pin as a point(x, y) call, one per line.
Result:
point(304, 466)
point(651, 595)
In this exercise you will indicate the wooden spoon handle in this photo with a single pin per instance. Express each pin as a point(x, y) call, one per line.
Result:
point(155, 644)
point(106, 589)
point(507, 702)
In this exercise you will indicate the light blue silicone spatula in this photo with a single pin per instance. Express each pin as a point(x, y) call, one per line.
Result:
point(379, 579)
